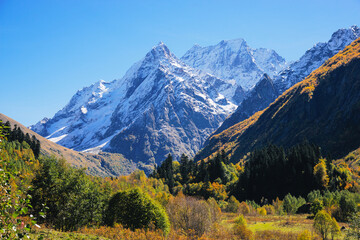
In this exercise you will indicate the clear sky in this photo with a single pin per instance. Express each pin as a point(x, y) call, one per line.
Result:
point(49, 49)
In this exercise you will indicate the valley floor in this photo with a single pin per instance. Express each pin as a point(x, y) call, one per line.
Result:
point(268, 227)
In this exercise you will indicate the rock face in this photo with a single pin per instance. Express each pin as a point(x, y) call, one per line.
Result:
point(323, 109)
point(235, 60)
point(263, 94)
point(260, 97)
point(160, 106)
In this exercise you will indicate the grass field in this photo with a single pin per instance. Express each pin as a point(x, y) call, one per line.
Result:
point(263, 227)
point(287, 225)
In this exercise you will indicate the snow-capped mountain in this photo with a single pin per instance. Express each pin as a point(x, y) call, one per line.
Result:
point(263, 94)
point(160, 106)
point(315, 57)
point(235, 60)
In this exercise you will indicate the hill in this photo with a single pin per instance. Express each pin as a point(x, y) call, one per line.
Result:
point(102, 164)
point(322, 109)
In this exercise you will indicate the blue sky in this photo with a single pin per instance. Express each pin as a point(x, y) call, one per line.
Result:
point(51, 48)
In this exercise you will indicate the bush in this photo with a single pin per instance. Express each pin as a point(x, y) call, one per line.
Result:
point(316, 206)
point(233, 205)
point(215, 211)
point(291, 203)
point(240, 220)
point(242, 232)
point(270, 209)
point(192, 216)
point(278, 206)
point(261, 211)
point(135, 209)
point(240, 228)
point(244, 208)
point(347, 207)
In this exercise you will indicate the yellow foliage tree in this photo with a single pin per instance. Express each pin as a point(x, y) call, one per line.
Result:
point(320, 173)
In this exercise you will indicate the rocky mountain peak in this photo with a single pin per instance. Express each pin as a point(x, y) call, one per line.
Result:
point(159, 52)
point(343, 37)
point(235, 61)
point(234, 44)
point(160, 106)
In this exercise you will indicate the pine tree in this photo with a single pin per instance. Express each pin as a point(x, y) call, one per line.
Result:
point(184, 168)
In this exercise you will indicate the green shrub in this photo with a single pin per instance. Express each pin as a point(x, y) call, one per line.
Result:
point(347, 207)
point(316, 206)
point(240, 220)
point(135, 209)
point(291, 203)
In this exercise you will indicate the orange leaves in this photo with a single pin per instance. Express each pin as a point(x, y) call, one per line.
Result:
point(342, 58)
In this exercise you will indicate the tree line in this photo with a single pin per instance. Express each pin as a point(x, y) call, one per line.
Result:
point(263, 175)
point(16, 134)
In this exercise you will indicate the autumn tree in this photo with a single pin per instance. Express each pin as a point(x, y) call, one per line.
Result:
point(191, 215)
point(323, 224)
point(320, 173)
point(233, 205)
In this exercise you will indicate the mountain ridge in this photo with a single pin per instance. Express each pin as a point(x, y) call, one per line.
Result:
point(160, 106)
point(295, 72)
point(325, 103)
point(234, 60)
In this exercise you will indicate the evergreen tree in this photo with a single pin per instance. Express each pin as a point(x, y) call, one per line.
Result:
point(202, 172)
point(166, 171)
point(184, 168)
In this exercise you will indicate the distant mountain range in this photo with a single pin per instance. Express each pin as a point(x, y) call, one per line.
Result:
point(235, 60)
point(160, 106)
point(270, 87)
point(168, 105)
point(322, 109)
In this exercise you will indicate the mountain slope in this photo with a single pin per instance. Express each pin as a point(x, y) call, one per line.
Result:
point(160, 106)
point(323, 109)
point(262, 94)
point(260, 97)
point(235, 60)
point(102, 164)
